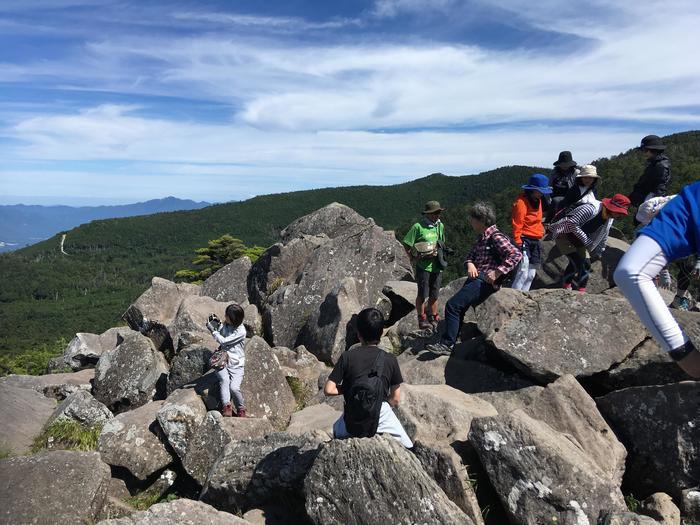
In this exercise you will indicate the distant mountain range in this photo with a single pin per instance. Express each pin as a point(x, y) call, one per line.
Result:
point(22, 225)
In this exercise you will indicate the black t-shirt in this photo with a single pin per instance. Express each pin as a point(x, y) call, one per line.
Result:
point(358, 361)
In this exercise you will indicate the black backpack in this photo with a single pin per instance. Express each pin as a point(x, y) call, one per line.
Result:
point(363, 402)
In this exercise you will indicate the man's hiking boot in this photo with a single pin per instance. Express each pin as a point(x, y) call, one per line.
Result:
point(241, 412)
point(434, 320)
point(227, 410)
point(681, 303)
point(423, 323)
point(439, 349)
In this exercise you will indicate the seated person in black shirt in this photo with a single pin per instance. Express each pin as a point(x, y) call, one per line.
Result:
point(356, 366)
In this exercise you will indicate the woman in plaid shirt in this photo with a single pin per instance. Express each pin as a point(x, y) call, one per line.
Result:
point(492, 256)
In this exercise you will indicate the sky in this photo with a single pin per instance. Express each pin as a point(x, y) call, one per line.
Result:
point(122, 101)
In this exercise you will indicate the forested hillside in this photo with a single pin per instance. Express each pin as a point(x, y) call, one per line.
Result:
point(45, 295)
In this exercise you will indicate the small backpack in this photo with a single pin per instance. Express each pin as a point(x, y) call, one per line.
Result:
point(363, 402)
point(218, 360)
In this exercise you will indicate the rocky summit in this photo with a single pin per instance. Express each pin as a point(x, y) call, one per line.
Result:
point(555, 407)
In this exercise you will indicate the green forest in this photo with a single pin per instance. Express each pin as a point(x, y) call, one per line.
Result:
point(46, 296)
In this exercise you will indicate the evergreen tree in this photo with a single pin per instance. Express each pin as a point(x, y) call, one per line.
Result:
point(217, 254)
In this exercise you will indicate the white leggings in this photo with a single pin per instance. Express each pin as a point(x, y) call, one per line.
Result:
point(635, 275)
point(524, 275)
point(230, 379)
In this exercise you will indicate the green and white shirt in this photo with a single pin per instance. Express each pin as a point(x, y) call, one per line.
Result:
point(426, 231)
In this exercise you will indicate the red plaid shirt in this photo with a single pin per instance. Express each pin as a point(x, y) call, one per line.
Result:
point(493, 251)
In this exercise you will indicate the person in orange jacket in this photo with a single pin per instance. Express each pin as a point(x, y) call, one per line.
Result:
point(526, 219)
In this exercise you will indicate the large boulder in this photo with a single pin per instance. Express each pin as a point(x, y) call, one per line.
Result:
point(265, 389)
point(156, 308)
point(316, 417)
point(179, 417)
point(402, 297)
point(179, 512)
point(252, 320)
point(349, 247)
point(85, 349)
point(83, 408)
point(690, 506)
point(57, 386)
point(131, 375)
point(566, 407)
point(550, 333)
point(660, 426)
point(189, 325)
point(549, 275)
point(135, 441)
point(252, 472)
point(439, 412)
point(23, 412)
point(61, 487)
point(211, 437)
point(661, 507)
point(331, 329)
point(230, 283)
point(188, 365)
point(365, 481)
point(541, 476)
point(303, 366)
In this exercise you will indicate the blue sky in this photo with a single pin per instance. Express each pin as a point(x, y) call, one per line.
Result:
point(123, 101)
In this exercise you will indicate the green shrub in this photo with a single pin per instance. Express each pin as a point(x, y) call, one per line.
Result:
point(32, 362)
point(301, 393)
point(67, 434)
point(145, 499)
point(632, 503)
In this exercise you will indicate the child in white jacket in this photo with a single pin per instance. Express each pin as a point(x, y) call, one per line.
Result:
point(231, 338)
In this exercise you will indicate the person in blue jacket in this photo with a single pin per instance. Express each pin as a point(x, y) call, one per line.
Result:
point(673, 234)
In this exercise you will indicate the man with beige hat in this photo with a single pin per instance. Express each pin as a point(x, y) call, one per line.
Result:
point(421, 244)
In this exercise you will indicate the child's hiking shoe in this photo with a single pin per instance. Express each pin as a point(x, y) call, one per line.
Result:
point(582, 289)
point(434, 320)
point(566, 286)
point(439, 349)
point(227, 410)
point(423, 322)
point(241, 412)
point(681, 303)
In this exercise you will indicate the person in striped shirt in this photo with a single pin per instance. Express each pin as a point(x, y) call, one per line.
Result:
point(583, 233)
point(492, 257)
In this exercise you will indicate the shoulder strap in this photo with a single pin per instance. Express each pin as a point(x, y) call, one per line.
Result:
point(378, 366)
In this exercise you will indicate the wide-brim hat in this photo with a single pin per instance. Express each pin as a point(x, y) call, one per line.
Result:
point(652, 142)
point(432, 207)
point(565, 160)
point(587, 170)
point(538, 182)
point(618, 203)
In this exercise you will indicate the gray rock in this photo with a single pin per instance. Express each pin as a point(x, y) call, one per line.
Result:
point(131, 375)
point(23, 412)
point(357, 249)
point(83, 408)
point(445, 466)
point(331, 329)
point(690, 506)
point(624, 518)
point(230, 283)
point(385, 480)
point(252, 472)
point(57, 386)
point(85, 349)
point(265, 389)
point(179, 512)
point(509, 400)
point(156, 308)
point(553, 265)
point(539, 333)
point(252, 320)
point(179, 417)
point(660, 427)
point(211, 437)
point(402, 297)
point(189, 325)
point(188, 365)
point(566, 407)
point(61, 487)
point(316, 417)
point(439, 412)
point(332, 220)
point(135, 441)
point(539, 475)
point(660, 506)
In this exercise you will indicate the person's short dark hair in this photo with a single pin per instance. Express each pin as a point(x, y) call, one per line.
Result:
point(235, 314)
point(483, 212)
point(370, 325)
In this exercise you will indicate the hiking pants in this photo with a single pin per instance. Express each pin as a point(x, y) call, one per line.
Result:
point(635, 275)
point(230, 379)
point(527, 269)
point(473, 293)
point(579, 269)
point(388, 424)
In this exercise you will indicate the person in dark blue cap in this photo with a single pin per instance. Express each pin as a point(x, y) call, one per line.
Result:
point(526, 218)
point(657, 174)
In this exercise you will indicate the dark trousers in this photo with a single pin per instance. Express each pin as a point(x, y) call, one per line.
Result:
point(578, 270)
point(473, 293)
